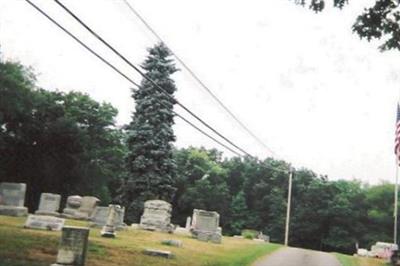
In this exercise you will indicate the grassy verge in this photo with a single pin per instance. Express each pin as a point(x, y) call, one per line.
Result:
point(19, 246)
point(346, 260)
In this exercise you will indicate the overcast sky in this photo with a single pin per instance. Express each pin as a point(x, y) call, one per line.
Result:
point(309, 88)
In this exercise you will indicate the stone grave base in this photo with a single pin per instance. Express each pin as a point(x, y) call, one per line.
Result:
point(182, 231)
point(147, 223)
point(13, 211)
point(214, 237)
point(56, 214)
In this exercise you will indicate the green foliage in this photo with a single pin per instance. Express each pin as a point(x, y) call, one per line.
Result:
point(381, 21)
point(239, 212)
point(55, 142)
point(249, 234)
point(150, 165)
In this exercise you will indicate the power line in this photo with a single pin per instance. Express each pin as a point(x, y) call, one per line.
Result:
point(137, 85)
point(159, 88)
point(123, 75)
point(82, 44)
point(194, 75)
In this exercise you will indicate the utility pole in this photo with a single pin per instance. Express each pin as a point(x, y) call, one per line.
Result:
point(288, 207)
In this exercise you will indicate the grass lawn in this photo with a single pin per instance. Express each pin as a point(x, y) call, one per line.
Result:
point(346, 260)
point(21, 247)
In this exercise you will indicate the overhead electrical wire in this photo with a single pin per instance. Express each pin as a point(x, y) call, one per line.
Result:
point(196, 77)
point(123, 75)
point(158, 87)
point(138, 86)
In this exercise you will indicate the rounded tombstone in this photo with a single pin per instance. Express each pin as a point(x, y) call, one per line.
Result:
point(74, 201)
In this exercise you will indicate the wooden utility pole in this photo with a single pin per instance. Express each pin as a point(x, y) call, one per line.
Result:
point(288, 207)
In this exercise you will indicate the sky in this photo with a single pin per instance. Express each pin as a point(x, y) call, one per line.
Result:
point(317, 95)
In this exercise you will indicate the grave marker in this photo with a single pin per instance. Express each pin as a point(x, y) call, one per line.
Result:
point(205, 226)
point(73, 246)
point(44, 222)
point(12, 199)
point(157, 216)
point(49, 204)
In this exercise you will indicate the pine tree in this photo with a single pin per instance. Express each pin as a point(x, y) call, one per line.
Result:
point(150, 164)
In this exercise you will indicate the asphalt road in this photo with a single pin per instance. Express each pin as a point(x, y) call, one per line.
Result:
point(298, 257)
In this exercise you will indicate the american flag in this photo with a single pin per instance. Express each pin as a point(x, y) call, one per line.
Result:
point(397, 139)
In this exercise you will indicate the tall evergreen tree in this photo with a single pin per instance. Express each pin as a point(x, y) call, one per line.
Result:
point(150, 164)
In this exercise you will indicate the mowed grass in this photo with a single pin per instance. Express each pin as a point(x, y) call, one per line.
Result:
point(347, 260)
point(19, 246)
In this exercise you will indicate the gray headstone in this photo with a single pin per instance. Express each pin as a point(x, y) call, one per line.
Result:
point(73, 204)
point(205, 220)
point(100, 215)
point(73, 246)
point(157, 216)
point(12, 194)
point(85, 210)
point(158, 253)
point(12, 199)
point(205, 226)
point(44, 222)
point(49, 204)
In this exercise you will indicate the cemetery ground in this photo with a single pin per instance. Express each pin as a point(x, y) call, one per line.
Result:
point(21, 247)
point(347, 260)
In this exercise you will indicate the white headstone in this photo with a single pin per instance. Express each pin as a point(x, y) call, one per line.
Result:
point(49, 204)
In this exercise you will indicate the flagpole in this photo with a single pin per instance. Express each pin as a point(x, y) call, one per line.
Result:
point(395, 214)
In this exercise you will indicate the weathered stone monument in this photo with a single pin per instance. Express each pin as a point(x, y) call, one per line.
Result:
point(73, 246)
point(110, 227)
point(73, 204)
point(81, 208)
point(157, 216)
point(100, 216)
point(44, 222)
point(87, 208)
point(12, 199)
point(49, 204)
point(205, 226)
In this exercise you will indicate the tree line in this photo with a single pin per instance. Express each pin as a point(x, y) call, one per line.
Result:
point(68, 143)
